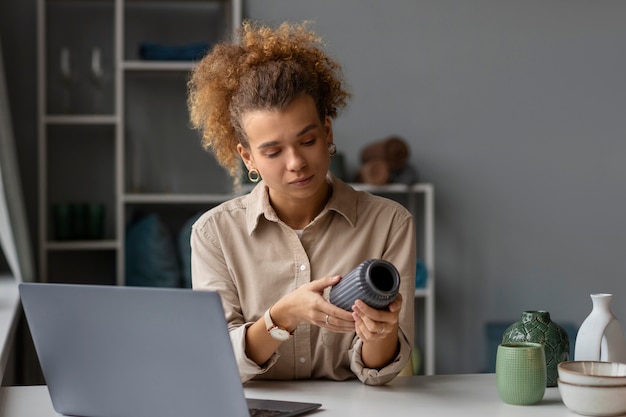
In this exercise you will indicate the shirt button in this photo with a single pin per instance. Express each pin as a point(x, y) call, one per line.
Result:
point(302, 267)
point(301, 360)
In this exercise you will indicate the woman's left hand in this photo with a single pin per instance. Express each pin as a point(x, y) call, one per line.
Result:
point(372, 324)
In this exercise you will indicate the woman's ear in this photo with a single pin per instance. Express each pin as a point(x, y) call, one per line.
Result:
point(245, 155)
point(328, 127)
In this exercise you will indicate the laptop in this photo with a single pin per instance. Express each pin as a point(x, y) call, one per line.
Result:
point(119, 351)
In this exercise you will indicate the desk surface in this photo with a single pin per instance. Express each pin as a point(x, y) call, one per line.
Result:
point(466, 395)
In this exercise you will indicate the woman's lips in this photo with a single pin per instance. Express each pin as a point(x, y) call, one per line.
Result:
point(302, 181)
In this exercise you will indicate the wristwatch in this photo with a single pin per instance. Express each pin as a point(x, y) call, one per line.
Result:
point(277, 332)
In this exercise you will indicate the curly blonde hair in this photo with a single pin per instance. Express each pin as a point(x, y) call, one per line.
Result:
point(266, 69)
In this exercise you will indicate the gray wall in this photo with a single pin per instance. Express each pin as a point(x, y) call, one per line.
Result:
point(514, 111)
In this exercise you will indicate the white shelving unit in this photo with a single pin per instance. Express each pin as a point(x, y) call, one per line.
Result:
point(118, 142)
point(129, 66)
point(85, 129)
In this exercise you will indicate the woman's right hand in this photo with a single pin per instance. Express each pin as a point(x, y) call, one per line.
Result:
point(307, 304)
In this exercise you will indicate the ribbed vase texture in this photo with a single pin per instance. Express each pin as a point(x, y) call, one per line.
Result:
point(536, 326)
point(376, 282)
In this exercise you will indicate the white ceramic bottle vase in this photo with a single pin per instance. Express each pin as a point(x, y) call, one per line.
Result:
point(600, 337)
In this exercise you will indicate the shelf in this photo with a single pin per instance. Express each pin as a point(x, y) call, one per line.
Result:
point(83, 245)
point(80, 2)
point(176, 3)
point(138, 65)
point(167, 198)
point(391, 188)
point(95, 119)
point(163, 198)
point(422, 293)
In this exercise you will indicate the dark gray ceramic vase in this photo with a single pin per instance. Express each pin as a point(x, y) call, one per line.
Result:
point(376, 282)
point(536, 326)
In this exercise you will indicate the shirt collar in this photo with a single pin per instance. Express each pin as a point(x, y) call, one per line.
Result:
point(342, 201)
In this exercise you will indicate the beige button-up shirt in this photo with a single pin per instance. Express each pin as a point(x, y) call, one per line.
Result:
point(242, 250)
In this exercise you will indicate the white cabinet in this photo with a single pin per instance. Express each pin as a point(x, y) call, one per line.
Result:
point(111, 120)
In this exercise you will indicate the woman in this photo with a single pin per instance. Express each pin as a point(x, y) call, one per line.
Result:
point(274, 254)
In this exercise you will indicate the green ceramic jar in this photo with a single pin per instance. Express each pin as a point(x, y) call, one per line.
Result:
point(537, 327)
point(521, 373)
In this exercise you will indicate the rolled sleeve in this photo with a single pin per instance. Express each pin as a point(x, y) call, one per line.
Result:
point(248, 369)
point(381, 376)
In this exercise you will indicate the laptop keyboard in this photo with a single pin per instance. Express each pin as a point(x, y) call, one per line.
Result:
point(258, 412)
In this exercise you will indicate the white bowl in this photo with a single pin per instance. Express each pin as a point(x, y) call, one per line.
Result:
point(592, 373)
point(594, 400)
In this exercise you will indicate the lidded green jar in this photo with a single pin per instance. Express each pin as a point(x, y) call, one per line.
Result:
point(536, 326)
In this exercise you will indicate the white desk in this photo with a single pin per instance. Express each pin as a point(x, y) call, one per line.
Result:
point(467, 395)
point(440, 395)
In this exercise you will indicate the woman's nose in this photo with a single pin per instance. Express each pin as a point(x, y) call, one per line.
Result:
point(295, 161)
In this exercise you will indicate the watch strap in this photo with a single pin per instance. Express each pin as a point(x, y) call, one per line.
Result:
point(270, 325)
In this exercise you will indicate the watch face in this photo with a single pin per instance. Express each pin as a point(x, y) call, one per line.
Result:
point(279, 334)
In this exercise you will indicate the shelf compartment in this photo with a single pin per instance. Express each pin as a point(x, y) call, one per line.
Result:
point(174, 217)
point(162, 153)
point(158, 22)
point(80, 170)
point(72, 86)
point(82, 267)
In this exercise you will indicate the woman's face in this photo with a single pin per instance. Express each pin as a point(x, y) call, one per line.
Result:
point(289, 148)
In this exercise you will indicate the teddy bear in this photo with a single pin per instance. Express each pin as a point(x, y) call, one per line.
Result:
point(386, 161)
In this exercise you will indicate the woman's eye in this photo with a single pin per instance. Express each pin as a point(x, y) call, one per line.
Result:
point(309, 142)
point(272, 154)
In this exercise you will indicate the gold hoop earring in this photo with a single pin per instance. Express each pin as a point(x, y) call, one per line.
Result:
point(332, 149)
point(254, 176)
